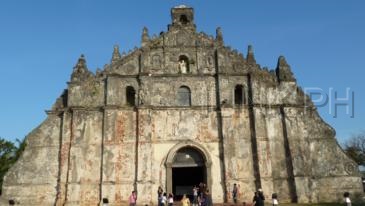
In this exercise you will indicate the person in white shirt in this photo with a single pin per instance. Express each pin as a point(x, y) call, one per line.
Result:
point(195, 194)
point(171, 200)
point(163, 199)
point(346, 195)
point(275, 201)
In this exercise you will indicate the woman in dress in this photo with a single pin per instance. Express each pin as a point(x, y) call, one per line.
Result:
point(185, 201)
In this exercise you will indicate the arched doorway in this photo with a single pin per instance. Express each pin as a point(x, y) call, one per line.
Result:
point(188, 164)
point(188, 169)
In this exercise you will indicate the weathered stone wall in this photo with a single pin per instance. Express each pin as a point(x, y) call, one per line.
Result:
point(227, 86)
point(271, 152)
point(238, 153)
point(33, 179)
point(86, 94)
point(85, 158)
point(119, 156)
point(158, 132)
point(95, 144)
point(116, 90)
point(322, 170)
point(162, 130)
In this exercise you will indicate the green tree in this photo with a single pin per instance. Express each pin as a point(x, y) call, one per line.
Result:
point(9, 154)
point(355, 148)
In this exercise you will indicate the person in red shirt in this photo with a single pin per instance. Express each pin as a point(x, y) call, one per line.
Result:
point(133, 199)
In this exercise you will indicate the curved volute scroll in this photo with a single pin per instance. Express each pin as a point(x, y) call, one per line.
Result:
point(80, 71)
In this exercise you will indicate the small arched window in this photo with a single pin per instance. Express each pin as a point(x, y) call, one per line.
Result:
point(131, 96)
point(239, 95)
point(183, 19)
point(184, 96)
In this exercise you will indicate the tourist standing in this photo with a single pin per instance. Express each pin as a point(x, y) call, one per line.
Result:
point(202, 189)
point(234, 193)
point(163, 199)
point(185, 201)
point(195, 196)
point(258, 198)
point(275, 201)
point(346, 195)
point(261, 199)
point(255, 199)
point(208, 198)
point(171, 200)
point(203, 199)
point(159, 194)
point(133, 199)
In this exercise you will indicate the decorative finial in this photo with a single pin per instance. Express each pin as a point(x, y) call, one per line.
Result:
point(219, 35)
point(145, 31)
point(145, 36)
point(98, 72)
point(282, 61)
point(116, 55)
point(283, 71)
point(80, 71)
point(250, 49)
point(81, 63)
point(250, 55)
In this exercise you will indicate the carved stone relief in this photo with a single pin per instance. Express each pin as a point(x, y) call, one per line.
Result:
point(210, 63)
point(129, 68)
point(182, 38)
point(156, 61)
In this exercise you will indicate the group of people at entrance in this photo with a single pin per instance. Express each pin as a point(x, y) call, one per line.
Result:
point(201, 197)
point(163, 200)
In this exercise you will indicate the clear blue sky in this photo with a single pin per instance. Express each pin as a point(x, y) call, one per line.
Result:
point(40, 41)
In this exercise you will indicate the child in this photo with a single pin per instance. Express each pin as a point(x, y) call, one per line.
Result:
point(275, 201)
point(171, 200)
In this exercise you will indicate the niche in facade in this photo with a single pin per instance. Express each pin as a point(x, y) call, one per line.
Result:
point(184, 64)
point(239, 95)
point(131, 96)
point(184, 19)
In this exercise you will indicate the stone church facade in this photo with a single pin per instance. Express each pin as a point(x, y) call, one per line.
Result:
point(180, 110)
